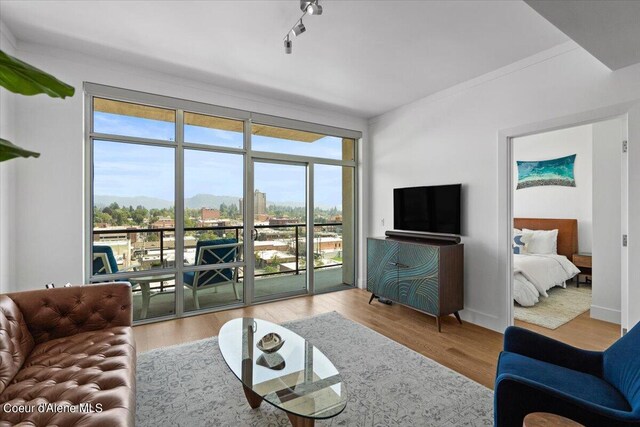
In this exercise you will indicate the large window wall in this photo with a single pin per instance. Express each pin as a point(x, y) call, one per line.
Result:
point(202, 207)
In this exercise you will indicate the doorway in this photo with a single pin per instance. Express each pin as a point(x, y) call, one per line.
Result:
point(568, 196)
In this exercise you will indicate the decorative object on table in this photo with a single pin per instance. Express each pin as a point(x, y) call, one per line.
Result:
point(539, 374)
point(272, 361)
point(424, 392)
point(270, 343)
point(546, 172)
point(24, 79)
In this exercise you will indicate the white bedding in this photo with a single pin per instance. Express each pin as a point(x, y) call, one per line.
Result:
point(534, 275)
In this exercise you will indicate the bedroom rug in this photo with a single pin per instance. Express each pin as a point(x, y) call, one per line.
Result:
point(561, 306)
point(387, 384)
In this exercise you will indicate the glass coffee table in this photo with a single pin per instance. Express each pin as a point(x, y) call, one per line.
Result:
point(298, 378)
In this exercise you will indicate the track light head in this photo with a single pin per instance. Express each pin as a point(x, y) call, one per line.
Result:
point(308, 7)
point(299, 28)
point(314, 9)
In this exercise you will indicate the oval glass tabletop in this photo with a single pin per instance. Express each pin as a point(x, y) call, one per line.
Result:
point(298, 378)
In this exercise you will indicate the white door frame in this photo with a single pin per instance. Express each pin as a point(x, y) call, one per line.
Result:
point(505, 192)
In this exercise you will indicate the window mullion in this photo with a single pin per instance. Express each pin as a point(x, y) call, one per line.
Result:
point(179, 212)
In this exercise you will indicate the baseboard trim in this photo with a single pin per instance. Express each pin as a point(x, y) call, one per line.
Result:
point(606, 314)
point(485, 320)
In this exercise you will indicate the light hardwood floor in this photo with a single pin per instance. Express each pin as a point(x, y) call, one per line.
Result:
point(468, 349)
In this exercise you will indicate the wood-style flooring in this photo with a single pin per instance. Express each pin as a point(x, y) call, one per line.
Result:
point(468, 349)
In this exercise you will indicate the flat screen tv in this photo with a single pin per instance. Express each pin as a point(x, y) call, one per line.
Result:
point(434, 209)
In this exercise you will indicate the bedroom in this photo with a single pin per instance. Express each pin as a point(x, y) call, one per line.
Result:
point(568, 193)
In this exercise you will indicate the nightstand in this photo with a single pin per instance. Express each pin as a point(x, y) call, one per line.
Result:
point(583, 262)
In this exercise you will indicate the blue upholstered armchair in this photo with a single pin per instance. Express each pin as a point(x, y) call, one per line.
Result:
point(539, 374)
point(221, 251)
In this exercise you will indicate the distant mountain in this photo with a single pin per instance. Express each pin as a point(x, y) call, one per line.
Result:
point(148, 202)
point(210, 201)
point(196, 202)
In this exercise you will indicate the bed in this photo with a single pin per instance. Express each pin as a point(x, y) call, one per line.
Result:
point(535, 274)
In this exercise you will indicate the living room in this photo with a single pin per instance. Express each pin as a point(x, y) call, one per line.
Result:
point(182, 127)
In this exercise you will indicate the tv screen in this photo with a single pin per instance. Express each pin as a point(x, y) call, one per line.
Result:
point(435, 209)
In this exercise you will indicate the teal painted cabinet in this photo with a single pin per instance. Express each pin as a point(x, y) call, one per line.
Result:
point(425, 275)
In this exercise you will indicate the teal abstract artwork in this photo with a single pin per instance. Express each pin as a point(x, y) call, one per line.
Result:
point(546, 172)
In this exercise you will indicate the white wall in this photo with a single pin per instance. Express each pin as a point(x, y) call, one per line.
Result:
point(7, 172)
point(607, 207)
point(556, 201)
point(50, 197)
point(452, 137)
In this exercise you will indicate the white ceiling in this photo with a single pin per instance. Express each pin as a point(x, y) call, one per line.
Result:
point(359, 57)
point(608, 29)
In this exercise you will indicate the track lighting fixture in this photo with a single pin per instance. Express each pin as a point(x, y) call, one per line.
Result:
point(287, 45)
point(308, 7)
point(313, 8)
point(299, 28)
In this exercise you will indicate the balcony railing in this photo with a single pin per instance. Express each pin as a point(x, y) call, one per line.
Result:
point(236, 229)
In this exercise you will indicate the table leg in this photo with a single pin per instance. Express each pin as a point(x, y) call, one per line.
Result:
point(252, 397)
point(297, 421)
point(146, 298)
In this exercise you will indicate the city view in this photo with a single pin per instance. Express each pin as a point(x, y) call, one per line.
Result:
point(144, 238)
point(134, 208)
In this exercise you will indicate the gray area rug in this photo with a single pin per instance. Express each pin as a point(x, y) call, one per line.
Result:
point(560, 307)
point(387, 384)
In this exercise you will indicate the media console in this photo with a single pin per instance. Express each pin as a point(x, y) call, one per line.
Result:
point(419, 272)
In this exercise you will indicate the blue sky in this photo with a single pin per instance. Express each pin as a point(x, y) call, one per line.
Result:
point(131, 170)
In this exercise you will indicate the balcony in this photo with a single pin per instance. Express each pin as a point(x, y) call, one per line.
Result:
point(280, 263)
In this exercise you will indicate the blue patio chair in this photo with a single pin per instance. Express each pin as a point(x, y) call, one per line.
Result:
point(104, 262)
point(211, 252)
point(539, 374)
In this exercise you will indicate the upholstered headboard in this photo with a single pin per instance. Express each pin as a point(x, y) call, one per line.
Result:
point(567, 231)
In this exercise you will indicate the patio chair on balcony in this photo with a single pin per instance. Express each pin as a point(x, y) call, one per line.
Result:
point(104, 262)
point(211, 252)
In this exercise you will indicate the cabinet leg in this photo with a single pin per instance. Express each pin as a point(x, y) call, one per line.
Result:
point(458, 317)
point(438, 323)
point(372, 297)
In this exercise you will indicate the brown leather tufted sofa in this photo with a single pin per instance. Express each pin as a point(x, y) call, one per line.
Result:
point(67, 348)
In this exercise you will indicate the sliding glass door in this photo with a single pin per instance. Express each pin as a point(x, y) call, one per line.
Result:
point(202, 207)
point(334, 227)
point(279, 228)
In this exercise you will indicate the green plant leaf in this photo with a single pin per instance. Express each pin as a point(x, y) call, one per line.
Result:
point(20, 77)
point(9, 151)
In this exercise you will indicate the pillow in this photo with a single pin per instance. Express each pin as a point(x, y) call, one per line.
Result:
point(540, 241)
point(518, 244)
